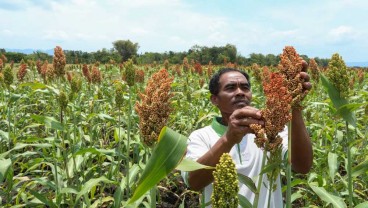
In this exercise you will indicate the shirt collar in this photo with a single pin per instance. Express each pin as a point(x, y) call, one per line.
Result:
point(218, 127)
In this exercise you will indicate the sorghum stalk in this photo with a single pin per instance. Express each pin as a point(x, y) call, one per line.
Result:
point(290, 66)
point(276, 115)
point(350, 178)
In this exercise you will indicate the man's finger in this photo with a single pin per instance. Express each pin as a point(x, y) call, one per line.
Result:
point(305, 66)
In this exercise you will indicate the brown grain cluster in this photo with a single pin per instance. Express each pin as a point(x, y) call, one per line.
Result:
point(59, 61)
point(277, 111)
point(22, 72)
point(154, 108)
point(291, 64)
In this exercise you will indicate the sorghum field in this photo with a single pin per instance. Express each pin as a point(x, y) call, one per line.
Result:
point(83, 135)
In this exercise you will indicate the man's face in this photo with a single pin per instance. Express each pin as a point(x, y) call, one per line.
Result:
point(234, 92)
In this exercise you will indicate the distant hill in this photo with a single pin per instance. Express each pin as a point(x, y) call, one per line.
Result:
point(357, 64)
point(30, 51)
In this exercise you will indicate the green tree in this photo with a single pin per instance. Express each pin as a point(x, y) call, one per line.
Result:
point(126, 48)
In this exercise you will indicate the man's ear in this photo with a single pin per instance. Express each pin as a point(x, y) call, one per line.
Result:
point(214, 100)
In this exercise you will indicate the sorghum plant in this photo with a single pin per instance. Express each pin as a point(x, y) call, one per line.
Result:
point(59, 61)
point(129, 75)
point(290, 66)
point(338, 75)
point(96, 75)
point(8, 76)
point(86, 73)
point(22, 72)
point(313, 66)
point(225, 185)
point(154, 108)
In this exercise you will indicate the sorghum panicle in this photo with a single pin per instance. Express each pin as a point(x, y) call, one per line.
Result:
point(50, 72)
point(44, 69)
point(166, 64)
point(86, 73)
point(63, 100)
point(225, 185)
point(75, 84)
point(129, 72)
point(22, 72)
point(59, 61)
point(186, 66)
point(257, 72)
point(277, 112)
point(8, 76)
point(96, 75)
point(154, 108)
point(338, 75)
point(139, 76)
point(198, 68)
point(3, 57)
point(38, 66)
point(1, 65)
point(291, 66)
point(360, 76)
point(119, 94)
point(313, 66)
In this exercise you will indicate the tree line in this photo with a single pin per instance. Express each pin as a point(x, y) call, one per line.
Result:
point(125, 49)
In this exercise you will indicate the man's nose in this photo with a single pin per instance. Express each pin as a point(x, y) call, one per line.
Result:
point(240, 91)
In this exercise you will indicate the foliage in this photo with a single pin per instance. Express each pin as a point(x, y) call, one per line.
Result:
point(81, 160)
point(126, 48)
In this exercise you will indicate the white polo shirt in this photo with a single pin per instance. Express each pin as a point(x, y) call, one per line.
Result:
point(247, 158)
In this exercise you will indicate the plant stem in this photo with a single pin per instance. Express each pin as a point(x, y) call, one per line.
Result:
point(288, 170)
point(256, 198)
point(350, 179)
point(128, 144)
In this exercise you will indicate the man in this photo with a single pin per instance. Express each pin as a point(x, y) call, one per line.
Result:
point(231, 93)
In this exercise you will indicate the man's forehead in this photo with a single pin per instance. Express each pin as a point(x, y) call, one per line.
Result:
point(233, 77)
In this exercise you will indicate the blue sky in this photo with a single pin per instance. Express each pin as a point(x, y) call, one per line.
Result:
point(314, 28)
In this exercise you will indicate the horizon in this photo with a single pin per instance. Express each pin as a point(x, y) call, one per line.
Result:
point(314, 28)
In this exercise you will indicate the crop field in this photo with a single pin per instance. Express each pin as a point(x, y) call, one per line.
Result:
point(81, 135)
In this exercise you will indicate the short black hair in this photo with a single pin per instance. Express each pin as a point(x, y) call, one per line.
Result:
point(215, 79)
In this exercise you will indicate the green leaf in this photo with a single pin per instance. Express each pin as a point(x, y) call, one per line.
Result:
point(33, 85)
point(4, 136)
point(362, 205)
point(360, 168)
point(339, 103)
point(118, 137)
point(332, 165)
point(296, 196)
point(104, 117)
point(270, 167)
point(191, 165)
point(5, 165)
point(336, 201)
point(43, 199)
point(165, 157)
point(49, 122)
point(248, 182)
point(90, 184)
point(244, 202)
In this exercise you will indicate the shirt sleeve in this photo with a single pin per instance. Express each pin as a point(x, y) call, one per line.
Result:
point(197, 146)
point(285, 141)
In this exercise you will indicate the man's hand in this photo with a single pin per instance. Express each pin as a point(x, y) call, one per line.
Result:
point(239, 121)
point(305, 76)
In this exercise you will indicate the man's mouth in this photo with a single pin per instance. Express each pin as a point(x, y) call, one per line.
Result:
point(241, 103)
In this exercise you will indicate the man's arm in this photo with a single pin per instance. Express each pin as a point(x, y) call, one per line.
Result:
point(238, 126)
point(201, 178)
point(301, 147)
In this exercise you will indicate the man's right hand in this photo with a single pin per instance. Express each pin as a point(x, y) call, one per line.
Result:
point(239, 121)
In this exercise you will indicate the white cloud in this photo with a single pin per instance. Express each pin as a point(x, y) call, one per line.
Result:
point(177, 25)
